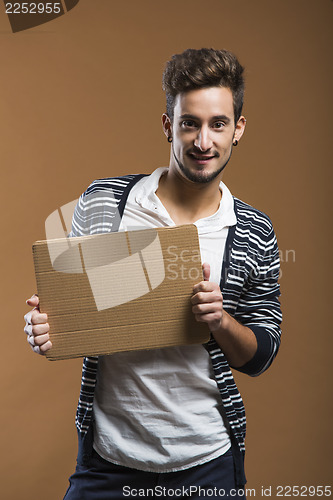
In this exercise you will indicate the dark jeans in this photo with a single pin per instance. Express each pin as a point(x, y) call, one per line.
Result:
point(102, 480)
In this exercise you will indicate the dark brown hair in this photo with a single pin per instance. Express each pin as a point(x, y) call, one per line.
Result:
point(202, 68)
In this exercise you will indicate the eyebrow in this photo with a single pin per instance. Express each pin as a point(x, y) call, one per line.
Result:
point(188, 116)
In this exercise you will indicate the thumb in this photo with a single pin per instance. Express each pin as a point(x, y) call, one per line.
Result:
point(206, 271)
point(33, 301)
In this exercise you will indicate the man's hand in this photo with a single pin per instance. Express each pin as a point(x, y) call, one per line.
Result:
point(207, 301)
point(37, 327)
point(237, 341)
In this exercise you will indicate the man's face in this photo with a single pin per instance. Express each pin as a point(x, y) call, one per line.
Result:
point(202, 130)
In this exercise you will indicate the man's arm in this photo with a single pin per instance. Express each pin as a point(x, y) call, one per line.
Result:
point(237, 342)
point(250, 340)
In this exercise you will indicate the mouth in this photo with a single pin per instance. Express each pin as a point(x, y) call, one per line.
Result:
point(201, 159)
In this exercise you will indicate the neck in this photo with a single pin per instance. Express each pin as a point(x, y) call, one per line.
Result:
point(188, 201)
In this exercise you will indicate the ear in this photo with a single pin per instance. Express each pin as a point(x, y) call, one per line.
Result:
point(239, 128)
point(167, 125)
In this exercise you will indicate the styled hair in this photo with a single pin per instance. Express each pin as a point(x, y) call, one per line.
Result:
point(203, 68)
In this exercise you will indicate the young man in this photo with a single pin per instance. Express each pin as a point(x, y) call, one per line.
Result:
point(173, 418)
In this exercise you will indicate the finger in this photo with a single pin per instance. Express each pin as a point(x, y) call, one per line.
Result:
point(40, 329)
point(39, 349)
point(41, 339)
point(28, 329)
point(38, 318)
point(206, 271)
point(45, 347)
point(204, 308)
point(204, 286)
point(33, 301)
point(31, 340)
point(27, 318)
point(205, 297)
point(213, 318)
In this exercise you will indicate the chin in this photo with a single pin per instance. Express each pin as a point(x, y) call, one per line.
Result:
point(202, 176)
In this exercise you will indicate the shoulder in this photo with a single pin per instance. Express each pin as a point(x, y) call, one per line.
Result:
point(251, 218)
point(115, 184)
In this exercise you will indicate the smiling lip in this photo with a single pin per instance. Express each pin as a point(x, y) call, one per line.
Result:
point(201, 159)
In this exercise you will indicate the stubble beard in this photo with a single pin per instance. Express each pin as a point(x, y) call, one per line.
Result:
point(200, 177)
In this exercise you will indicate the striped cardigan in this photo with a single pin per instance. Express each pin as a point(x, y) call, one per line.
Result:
point(249, 284)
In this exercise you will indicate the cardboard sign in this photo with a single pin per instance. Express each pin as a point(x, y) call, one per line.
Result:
point(120, 291)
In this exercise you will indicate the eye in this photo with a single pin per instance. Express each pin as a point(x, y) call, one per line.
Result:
point(219, 125)
point(188, 124)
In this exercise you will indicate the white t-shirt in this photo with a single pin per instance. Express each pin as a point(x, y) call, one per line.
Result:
point(160, 410)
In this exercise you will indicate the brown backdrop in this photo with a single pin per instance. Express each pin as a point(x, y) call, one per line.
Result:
point(80, 99)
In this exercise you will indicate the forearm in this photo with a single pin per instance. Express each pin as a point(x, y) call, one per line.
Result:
point(237, 342)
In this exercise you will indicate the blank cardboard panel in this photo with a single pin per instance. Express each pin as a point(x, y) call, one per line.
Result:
point(119, 291)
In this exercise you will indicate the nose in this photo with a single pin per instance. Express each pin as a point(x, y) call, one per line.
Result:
point(203, 140)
